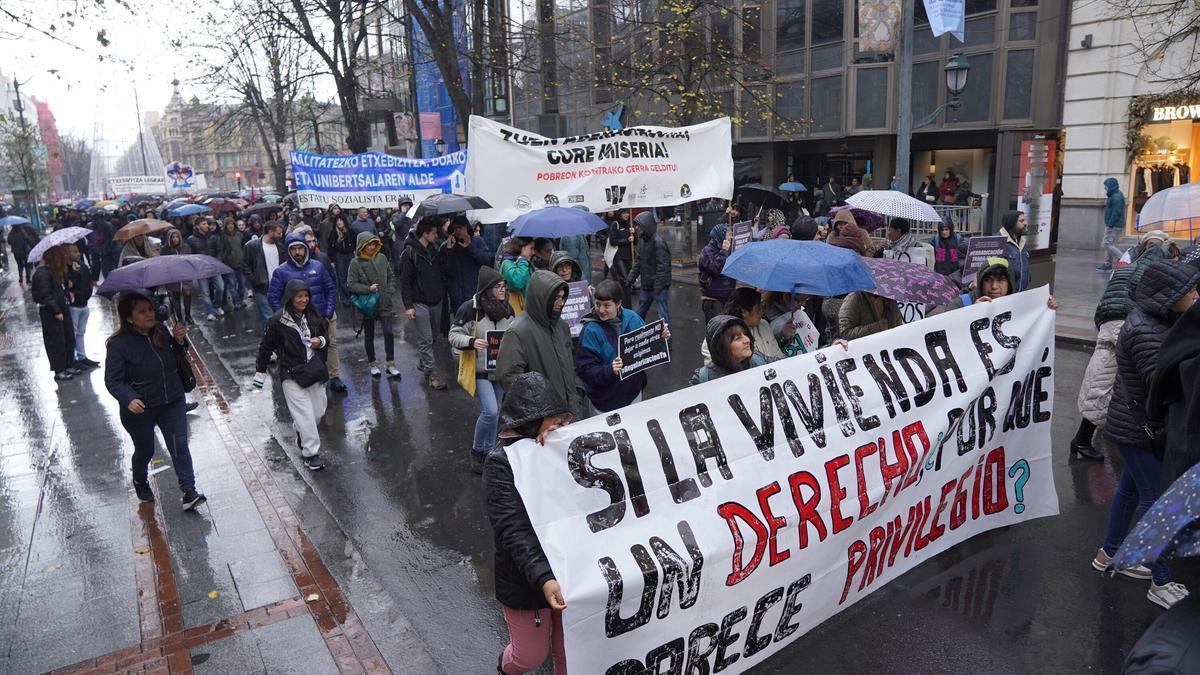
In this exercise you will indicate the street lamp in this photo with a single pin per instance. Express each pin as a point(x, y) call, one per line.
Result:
point(440, 146)
point(956, 77)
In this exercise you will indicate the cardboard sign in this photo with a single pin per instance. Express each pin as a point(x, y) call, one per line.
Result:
point(493, 338)
point(578, 304)
point(642, 349)
point(978, 250)
point(743, 233)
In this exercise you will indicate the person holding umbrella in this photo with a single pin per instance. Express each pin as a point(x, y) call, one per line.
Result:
point(142, 370)
point(49, 291)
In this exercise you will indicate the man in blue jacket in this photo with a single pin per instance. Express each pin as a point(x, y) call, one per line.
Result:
point(1114, 222)
point(301, 265)
point(596, 361)
point(1013, 230)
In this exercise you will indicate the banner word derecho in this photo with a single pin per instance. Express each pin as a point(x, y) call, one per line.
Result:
point(720, 522)
point(374, 179)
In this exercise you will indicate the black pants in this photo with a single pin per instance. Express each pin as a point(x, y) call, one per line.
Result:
point(171, 421)
point(24, 269)
point(59, 337)
point(619, 272)
point(710, 308)
point(389, 340)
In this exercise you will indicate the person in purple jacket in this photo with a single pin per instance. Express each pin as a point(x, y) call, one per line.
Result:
point(715, 287)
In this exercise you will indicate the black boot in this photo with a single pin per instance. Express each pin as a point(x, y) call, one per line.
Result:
point(477, 459)
point(1082, 443)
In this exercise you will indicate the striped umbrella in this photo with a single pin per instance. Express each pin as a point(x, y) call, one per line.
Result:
point(894, 204)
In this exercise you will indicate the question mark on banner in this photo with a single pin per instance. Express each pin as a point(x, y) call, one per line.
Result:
point(1019, 507)
point(933, 455)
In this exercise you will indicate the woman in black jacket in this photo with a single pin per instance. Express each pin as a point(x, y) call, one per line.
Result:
point(525, 584)
point(49, 291)
point(296, 334)
point(141, 371)
point(1165, 290)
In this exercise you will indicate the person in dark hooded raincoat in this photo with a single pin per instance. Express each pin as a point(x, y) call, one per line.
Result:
point(565, 266)
point(731, 346)
point(1175, 394)
point(651, 272)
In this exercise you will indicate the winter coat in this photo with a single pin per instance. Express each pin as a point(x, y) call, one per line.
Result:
point(283, 338)
point(1117, 300)
point(346, 245)
point(1175, 391)
point(946, 190)
point(231, 244)
point(972, 296)
point(79, 283)
point(949, 255)
point(21, 239)
point(461, 268)
point(1014, 250)
point(577, 247)
point(1114, 204)
point(559, 257)
point(722, 365)
point(516, 272)
point(364, 272)
point(519, 564)
point(48, 291)
point(101, 238)
point(209, 244)
point(1138, 348)
point(618, 236)
point(763, 336)
point(535, 343)
point(130, 250)
point(254, 263)
point(1171, 645)
point(652, 269)
point(421, 278)
point(593, 362)
point(714, 284)
point(471, 323)
point(311, 271)
point(857, 317)
point(927, 192)
point(134, 368)
point(1095, 391)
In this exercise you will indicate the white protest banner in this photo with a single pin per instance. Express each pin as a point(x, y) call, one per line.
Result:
point(374, 179)
point(516, 171)
point(947, 16)
point(124, 185)
point(717, 523)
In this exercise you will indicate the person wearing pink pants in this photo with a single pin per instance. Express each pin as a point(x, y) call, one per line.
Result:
point(525, 585)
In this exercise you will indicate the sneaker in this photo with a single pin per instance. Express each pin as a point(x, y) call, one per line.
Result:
point(210, 317)
point(1166, 595)
point(143, 491)
point(192, 499)
point(393, 372)
point(314, 463)
point(220, 312)
point(336, 384)
point(374, 371)
point(436, 383)
point(1103, 561)
point(190, 406)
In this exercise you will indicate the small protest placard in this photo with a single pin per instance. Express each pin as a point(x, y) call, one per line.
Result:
point(578, 304)
point(493, 338)
point(978, 250)
point(643, 348)
point(743, 232)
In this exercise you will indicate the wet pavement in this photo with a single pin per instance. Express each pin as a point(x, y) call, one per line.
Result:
point(382, 562)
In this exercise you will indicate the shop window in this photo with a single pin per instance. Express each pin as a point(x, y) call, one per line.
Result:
point(789, 25)
point(870, 108)
point(926, 85)
point(977, 97)
point(789, 63)
point(827, 19)
point(1022, 26)
point(789, 105)
point(1018, 84)
point(754, 111)
point(827, 104)
point(980, 32)
point(825, 58)
point(980, 6)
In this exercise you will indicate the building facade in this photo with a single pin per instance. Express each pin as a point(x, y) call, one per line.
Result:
point(54, 152)
point(1125, 118)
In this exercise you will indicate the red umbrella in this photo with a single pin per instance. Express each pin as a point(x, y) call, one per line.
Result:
point(222, 205)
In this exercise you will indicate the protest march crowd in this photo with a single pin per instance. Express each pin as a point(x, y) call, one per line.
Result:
point(504, 310)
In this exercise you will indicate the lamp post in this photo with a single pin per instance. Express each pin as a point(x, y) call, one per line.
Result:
point(440, 146)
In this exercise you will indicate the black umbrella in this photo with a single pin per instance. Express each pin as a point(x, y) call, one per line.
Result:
point(449, 203)
point(262, 209)
point(764, 195)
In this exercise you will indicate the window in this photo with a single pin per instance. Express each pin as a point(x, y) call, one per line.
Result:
point(980, 32)
point(722, 33)
point(977, 98)
point(1018, 84)
point(1022, 26)
point(789, 63)
point(926, 86)
point(752, 32)
point(1023, 3)
point(790, 106)
point(825, 58)
point(754, 111)
point(871, 109)
point(980, 6)
point(924, 42)
point(827, 104)
point(827, 19)
point(789, 25)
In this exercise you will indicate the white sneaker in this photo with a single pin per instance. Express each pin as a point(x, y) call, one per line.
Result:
point(1166, 595)
point(1103, 561)
point(210, 317)
point(375, 371)
point(220, 312)
point(392, 371)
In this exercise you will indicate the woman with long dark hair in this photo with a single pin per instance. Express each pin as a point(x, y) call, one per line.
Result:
point(342, 247)
point(142, 371)
point(49, 291)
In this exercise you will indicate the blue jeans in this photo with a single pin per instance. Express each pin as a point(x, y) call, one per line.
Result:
point(79, 318)
point(489, 394)
point(263, 305)
point(212, 292)
point(1137, 491)
point(171, 420)
point(235, 282)
point(661, 298)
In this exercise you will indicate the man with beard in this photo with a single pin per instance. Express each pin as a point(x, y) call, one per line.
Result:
point(1013, 229)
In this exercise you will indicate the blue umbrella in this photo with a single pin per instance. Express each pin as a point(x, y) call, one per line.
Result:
point(13, 220)
point(67, 235)
point(793, 186)
point(1169, 529)
point(161, 270)
point(187, 210)
point(811, 267)
point(84, 203)
point(556, 221)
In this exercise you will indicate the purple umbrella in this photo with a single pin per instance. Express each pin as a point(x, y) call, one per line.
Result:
point(867, 220)
point(162, 270)
point(909, 282)
point(67, 235)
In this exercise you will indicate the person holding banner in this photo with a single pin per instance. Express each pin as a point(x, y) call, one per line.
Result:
point(516, 268)
point(487, 311)
point(526, 587)
point(731, 346)
point(715, 287)
point(746, 304)
point(371, 274)
point(863, 314)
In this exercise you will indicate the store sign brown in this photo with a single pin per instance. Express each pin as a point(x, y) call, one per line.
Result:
point(1176, 112)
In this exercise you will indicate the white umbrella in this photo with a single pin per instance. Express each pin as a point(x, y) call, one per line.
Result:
point(67, 235)
point(1175, 210)
point(894, 204)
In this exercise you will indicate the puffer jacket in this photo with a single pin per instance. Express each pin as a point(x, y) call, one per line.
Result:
point(311, 271)
point(365, 271)
point(1117, 300)
point(472, 323)
point(1175, 390)
point(46, 290)
point(282, 335)
point(714, 284)
point(722, 363)
point(1095, 391)
point(652, 269)
point(1163, 284)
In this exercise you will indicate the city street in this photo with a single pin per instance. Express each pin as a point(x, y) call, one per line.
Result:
point(382, 561)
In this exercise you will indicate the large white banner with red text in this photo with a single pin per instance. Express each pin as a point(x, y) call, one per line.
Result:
point(722, 521)
point(517, 171)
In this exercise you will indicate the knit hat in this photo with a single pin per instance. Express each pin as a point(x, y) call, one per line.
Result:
point(1156, 234)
